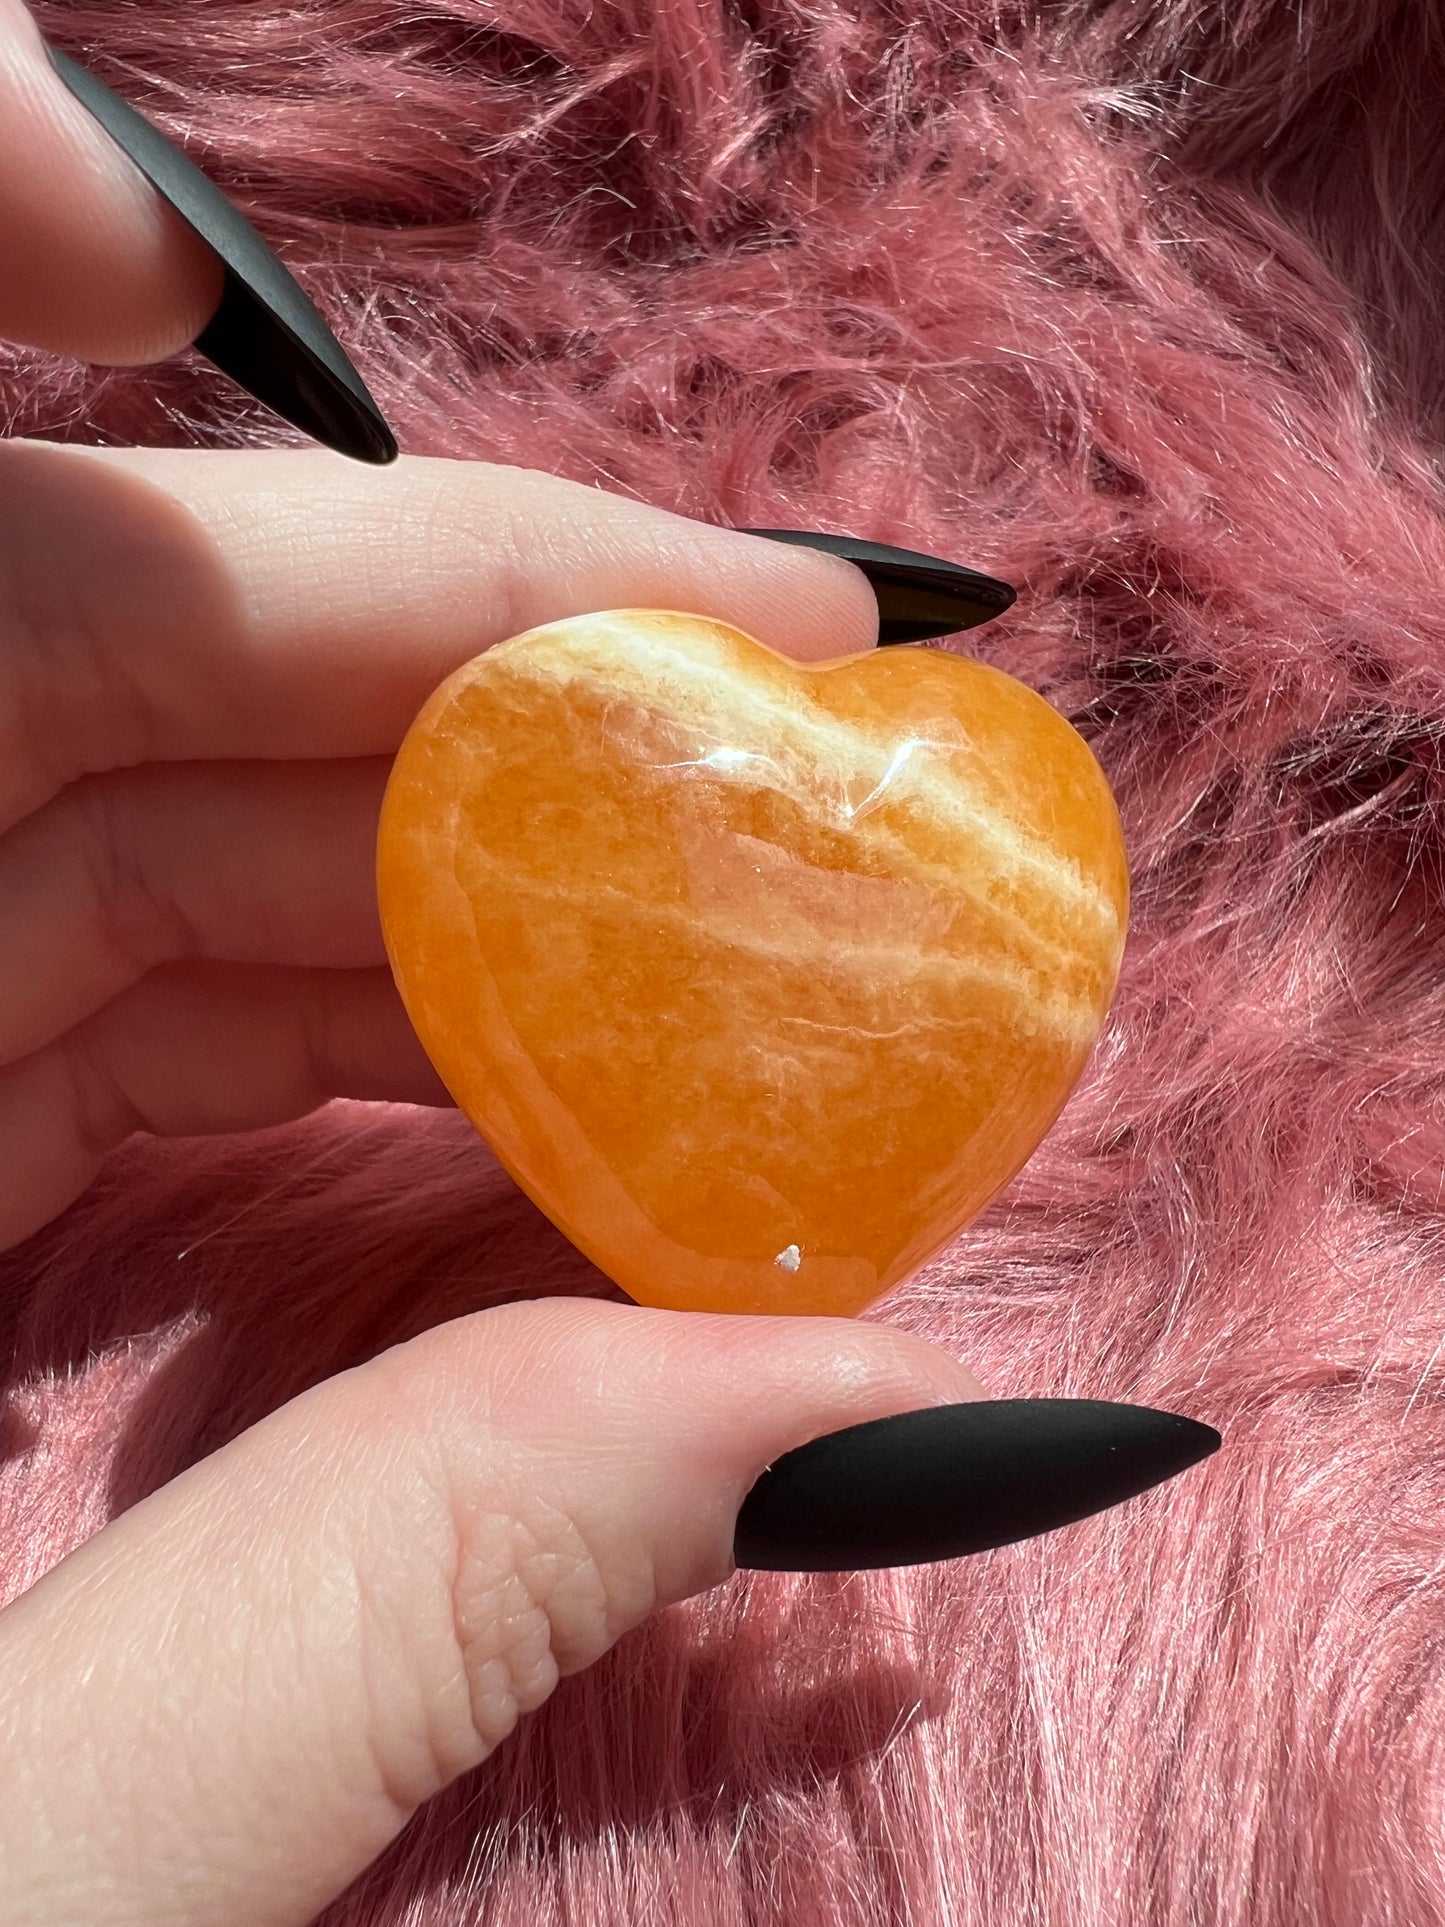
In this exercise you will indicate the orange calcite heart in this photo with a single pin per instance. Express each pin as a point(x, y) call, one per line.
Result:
point(760, 978)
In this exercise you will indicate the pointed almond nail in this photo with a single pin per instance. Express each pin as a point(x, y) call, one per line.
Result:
point(266, 334)
point(919, 596)
point(957, 1479)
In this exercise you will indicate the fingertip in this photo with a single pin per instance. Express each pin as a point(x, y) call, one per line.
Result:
point(98, 265)
point(920, 597)
point(832, 607)
point(810, 606)
point(681, 1412)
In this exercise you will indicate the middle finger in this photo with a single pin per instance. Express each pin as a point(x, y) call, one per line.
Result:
point(164, 605)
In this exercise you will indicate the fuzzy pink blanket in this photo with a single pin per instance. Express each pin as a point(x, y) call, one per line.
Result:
point(1135, 305)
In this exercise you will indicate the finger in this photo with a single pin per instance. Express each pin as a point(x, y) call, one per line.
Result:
point(196, 1049)
point(234, 862)
point(92, 261)
point(225, 1706)
point(165, 606)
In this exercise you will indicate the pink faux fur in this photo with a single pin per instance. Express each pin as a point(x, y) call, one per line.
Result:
point(1137, 306)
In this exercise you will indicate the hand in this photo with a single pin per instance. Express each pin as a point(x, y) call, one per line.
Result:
point(225, 1704)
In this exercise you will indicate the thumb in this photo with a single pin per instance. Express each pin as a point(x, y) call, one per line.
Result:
point(227, 1703)
point(92, 262)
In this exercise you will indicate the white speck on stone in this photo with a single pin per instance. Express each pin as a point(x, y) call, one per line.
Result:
point(789, 1260)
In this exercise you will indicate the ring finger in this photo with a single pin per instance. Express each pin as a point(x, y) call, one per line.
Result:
point(267, 863)
point(194, 1049)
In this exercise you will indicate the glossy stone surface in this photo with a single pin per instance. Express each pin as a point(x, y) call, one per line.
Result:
point(759, 978)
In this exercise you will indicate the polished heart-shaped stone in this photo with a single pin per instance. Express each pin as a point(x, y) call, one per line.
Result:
point(760, 978)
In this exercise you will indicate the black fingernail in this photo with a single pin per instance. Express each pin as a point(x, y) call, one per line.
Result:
point(956, 1479)
point(919, 596)
point(266, 334)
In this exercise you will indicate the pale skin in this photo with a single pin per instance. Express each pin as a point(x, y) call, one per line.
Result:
point(226, 1704)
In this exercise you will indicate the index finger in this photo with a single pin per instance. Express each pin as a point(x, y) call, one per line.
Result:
point(162, 605)
point(92, 262)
